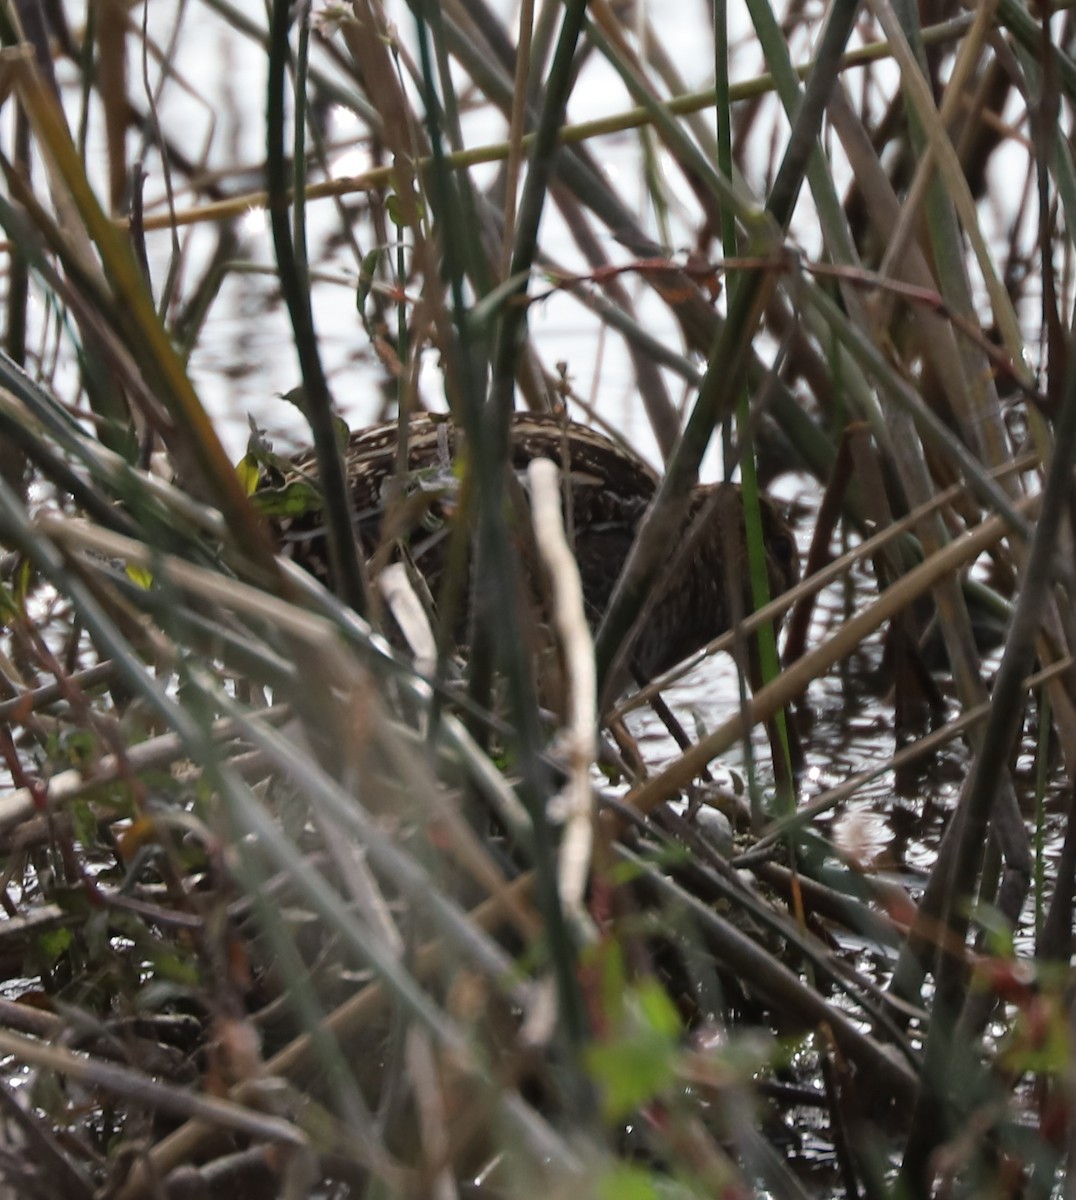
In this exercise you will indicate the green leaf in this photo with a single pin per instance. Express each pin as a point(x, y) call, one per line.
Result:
point(78, 747)
point(367, 275)
point(296, 396)
point(392, 207)
point(169, 966)
point(23, 576)
point(84, 822)
point(1040, 1042)
point(249, 471)
point(139, 575)
point(295, 499)
point(658, 1010)
point(639, 1060)
point(10, 607)
point(625, 1182)
point(342, 431)
point(54, 944)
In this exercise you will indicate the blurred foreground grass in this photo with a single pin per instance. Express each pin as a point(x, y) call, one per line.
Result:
point(285, 915)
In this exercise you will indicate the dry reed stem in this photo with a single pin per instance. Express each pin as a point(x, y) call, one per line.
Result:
point(790, 684)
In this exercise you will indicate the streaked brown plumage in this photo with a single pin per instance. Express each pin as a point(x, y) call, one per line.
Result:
point(610, 489)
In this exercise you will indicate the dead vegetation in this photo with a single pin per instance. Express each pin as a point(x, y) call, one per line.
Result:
point(285, 913)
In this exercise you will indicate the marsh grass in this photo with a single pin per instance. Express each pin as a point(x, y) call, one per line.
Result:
point(284, 914)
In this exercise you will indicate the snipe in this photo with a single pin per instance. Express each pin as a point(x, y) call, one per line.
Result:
point(609, 488)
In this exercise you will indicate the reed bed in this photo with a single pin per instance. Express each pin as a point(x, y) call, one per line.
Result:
point(288, 912)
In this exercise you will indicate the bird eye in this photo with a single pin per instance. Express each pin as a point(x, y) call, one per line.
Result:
point(782, 548)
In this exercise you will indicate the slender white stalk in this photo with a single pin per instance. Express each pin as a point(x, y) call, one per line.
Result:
point(569, 619)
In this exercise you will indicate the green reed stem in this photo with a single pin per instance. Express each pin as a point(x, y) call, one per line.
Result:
point(343, 552)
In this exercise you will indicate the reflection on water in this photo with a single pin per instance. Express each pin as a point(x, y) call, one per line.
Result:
point(891, 827)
